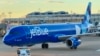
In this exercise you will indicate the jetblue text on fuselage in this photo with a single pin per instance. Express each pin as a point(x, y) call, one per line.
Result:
point(37, 31)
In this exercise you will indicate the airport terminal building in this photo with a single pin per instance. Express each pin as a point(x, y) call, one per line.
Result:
point(47, 17)
point(50, 17)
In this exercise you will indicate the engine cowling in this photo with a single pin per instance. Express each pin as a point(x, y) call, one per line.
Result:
point(73, 42)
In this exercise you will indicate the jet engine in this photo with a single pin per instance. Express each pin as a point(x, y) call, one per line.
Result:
point(73, 42)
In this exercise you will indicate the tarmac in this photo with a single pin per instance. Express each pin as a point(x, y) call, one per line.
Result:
point(90, 47)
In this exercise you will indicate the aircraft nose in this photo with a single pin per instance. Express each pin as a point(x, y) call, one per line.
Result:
point(6, 41)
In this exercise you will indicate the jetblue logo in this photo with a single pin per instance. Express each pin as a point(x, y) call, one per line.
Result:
point(37, 31)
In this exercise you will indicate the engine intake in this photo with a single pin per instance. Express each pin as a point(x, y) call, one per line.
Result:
point(73, 42)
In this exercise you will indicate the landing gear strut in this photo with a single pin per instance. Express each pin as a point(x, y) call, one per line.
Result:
point(45, 46)
point(23, 52)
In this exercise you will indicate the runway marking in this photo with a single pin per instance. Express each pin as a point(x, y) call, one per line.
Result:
point(98, 50)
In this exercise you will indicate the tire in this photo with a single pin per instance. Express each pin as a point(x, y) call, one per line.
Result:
point(98, 34)
point(42, 46)
point(45, 46)
point(18, 52)
point(73, 48)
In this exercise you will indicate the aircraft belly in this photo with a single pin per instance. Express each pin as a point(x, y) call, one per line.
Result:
point(43, 39)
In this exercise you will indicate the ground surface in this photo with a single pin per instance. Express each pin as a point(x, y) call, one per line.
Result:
point(90, 47)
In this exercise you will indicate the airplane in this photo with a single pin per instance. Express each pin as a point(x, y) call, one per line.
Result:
point(29, 35)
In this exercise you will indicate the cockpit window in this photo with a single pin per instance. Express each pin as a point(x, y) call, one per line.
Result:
point(17, 31)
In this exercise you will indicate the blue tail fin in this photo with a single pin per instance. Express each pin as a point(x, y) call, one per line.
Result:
point(87, 16)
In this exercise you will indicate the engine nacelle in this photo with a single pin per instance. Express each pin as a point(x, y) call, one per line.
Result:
point(73, 42)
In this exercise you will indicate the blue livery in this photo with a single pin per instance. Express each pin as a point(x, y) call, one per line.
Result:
point(28, 35)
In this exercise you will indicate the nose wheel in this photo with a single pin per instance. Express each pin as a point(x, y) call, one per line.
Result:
point(45, 46)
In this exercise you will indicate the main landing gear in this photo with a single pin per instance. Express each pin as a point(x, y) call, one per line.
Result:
point(23, 52)
point(45, 46)
point(73, 48)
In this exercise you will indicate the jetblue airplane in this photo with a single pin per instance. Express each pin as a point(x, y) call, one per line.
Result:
point(29, 35)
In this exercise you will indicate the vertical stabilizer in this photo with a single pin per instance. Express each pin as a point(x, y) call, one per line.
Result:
point(87, 15)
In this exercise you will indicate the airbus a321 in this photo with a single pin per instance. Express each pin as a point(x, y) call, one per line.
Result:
point(29, 35)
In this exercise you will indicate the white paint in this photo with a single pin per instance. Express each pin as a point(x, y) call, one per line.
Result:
point(78, 30)
point(37, 31)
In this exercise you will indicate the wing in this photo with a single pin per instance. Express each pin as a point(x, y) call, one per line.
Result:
point(63, 37)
